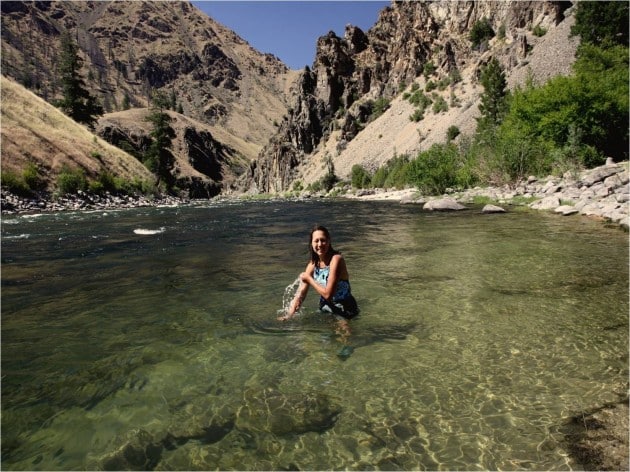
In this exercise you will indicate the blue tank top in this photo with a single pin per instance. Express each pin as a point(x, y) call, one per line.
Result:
point(343, 286)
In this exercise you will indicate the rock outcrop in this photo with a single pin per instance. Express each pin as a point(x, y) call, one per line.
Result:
point(350, 73)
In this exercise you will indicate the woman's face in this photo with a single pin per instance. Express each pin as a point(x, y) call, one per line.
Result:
point(320, 243)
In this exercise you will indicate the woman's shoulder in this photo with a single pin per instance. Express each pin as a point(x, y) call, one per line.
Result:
point(337, 258)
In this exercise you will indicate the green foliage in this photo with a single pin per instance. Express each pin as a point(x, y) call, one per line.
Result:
point(70, 180)
point(14, 183)
point(77, 103)
point(32, 177)
point(421, 101)
point(501, 32)
point(417, 115)
point(451, 133)
point(440, 167)
point(25, 184)
point(378, 107)
point(592, 104)
point(360, 178)
point(455, 76)
point(106, 182)
point(429, 69)
point(430, 86)
point(439, 104)
point(601, 23)
point(298, 186)
point(521, 154)
point(159, 158)
point(493, 100)
point(394, 174)
point(330, 179)
point(539, 31)
point(481, 31)
point(397, 172)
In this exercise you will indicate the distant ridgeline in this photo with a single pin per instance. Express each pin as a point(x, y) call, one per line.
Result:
point(427, 97)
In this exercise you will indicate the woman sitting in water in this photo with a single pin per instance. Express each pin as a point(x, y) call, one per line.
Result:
point(328, 275)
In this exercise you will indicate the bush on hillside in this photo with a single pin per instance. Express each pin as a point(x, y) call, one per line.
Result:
point(70, 181)
point(360, 177)
point(481, 32)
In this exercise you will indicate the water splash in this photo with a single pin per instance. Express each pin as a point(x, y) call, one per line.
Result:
point(289, 295)
point(149, 231)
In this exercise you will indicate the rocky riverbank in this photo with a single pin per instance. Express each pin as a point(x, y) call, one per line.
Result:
point(44, 202)
point(602, 192)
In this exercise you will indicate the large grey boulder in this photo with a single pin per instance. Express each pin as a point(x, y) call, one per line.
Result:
point(547, 203)
point(443, 204)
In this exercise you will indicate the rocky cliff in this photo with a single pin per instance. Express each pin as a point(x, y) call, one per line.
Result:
point(411, 42)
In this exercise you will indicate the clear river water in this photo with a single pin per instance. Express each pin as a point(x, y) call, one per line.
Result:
point(148, 339)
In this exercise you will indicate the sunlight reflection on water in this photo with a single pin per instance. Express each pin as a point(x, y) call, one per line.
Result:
point(478, 337)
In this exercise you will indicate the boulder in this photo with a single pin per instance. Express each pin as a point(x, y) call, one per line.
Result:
point(492, 209)
point(547, 203)
point(443, 204)
point(566, 210)
point(599, 174)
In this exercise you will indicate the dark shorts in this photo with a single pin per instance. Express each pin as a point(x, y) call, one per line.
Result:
point(347, 307)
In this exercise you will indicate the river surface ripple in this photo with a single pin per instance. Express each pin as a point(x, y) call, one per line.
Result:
point(148, 339)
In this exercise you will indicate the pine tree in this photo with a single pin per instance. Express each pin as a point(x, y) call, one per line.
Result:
point(159, 158)
point(77, 103)
point(494, 99)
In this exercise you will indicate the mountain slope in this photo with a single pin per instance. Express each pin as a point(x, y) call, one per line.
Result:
point(130, 49)
point(35, 132)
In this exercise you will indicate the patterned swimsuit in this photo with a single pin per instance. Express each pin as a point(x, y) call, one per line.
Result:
point(342, 303)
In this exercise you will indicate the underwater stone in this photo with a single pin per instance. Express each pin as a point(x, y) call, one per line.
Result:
point(272, 411)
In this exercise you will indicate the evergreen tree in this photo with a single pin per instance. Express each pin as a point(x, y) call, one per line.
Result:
point(159, 158)
point(77, 103)
point(494, 99)
point(602, 23)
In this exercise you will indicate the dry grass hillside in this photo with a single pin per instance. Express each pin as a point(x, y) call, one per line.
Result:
point(393, 133)
point(33, 131)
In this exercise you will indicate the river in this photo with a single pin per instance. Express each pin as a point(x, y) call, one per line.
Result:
point(147, 338)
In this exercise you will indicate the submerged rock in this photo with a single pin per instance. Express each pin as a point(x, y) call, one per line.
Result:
point(492, 209)
point(273, 411)
point(134, 450)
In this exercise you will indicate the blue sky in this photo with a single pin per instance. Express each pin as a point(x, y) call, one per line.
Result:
point(289, 29)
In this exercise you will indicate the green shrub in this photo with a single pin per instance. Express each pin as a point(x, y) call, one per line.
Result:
point(32, 177)
point(398, 172)
point(417, 115)
point(14, 183)
point(393, 174)
point(451, 133)
point(378, 107)
point(429, 69)
point(360, 177)
point(439, 168)
point(539, 31)
point(439, 105)
point(430, 86)
point(379, 177)
point(481, 31)
point(71, 180)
